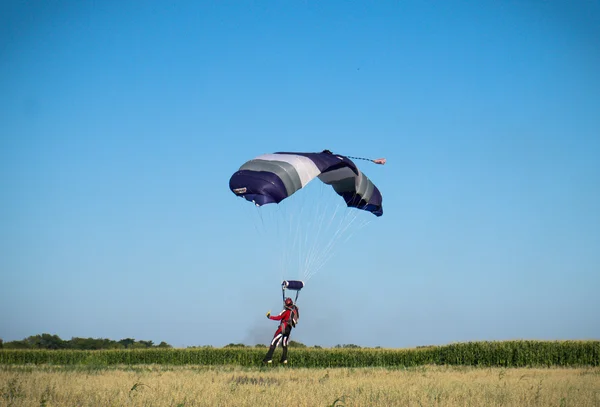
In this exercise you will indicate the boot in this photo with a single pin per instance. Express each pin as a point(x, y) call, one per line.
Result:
point(284, 355)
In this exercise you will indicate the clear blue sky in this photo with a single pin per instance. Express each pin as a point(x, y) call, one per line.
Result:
point(121, 123)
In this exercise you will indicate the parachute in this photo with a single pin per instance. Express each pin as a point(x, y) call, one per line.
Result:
point(271, 178)
point(305, 229)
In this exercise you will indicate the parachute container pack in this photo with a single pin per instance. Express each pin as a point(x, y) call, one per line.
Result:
point(294, 285)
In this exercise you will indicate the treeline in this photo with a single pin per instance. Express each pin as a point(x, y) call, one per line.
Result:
point(291, 344)
point(47, 341)
point(53, 342)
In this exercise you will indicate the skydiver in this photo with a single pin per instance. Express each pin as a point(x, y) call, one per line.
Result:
point(288, 317)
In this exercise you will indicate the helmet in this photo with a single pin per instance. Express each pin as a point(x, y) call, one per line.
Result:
point(288, 302)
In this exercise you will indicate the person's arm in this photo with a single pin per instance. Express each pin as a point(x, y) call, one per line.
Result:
point(277, 317)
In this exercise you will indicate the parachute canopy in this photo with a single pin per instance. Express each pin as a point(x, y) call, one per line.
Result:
point(271, 178)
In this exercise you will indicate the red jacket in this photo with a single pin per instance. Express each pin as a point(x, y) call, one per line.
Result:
point(285, 317)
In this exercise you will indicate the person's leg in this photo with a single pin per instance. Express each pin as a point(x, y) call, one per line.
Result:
point(284, 344)
point(276, 339)
point(284, 351)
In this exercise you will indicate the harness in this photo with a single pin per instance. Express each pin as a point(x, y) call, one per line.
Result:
point(293, 285)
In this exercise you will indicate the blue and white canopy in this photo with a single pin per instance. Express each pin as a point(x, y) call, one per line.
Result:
point(271, 178)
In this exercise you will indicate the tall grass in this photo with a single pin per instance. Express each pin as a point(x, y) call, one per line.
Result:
point(484, 354)
point(199, 386)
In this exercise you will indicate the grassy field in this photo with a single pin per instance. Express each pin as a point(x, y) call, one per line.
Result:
point(509, 373)
point(158, 385)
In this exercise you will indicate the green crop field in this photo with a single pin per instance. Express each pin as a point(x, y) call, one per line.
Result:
point(486, 354)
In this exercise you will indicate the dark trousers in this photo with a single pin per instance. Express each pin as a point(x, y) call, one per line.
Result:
point(280, 337)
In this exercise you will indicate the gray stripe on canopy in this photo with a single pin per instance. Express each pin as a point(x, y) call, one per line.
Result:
point(285, 171)
point(361, 184)
point(369, 190)
point(341, 180)
point(339, 174)
point(345, 185)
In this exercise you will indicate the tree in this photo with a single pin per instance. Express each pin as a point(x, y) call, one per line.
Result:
point(85, 343)
point(127, 342)
point(146, 344)
point(23, 344)
point(294, 344)
point(48, 341)
point(235, 345)
point(347, 346)
point(45, 341)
